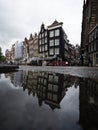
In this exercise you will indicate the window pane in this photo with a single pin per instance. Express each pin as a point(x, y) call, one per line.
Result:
point(45, 33)
point(57, 32)
point(51, 51)
point(56, 42)
point(46, 40)
point(46, 47)
point(56, 50)
point(51, 43)
point(51, 34)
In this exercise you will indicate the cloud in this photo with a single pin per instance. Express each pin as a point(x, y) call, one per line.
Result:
point(19, 18)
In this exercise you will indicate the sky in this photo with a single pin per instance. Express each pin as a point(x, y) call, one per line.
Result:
point(20, 18)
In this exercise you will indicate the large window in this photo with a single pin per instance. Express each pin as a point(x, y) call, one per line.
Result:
point(56, 51)
point(51, 34)
point(57, 32)
point(51, 43)
point(57, 42)
point(51, 51)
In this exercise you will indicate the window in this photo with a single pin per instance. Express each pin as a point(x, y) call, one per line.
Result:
point(45, 33)
point(57, 51)
point(46, 47)
point(46, 40)
point(39, 42)
point(42, 34)
point(40, 49)
point(51, 34)
point(94, 46)
point(57, 42)
point(51, 51)
point(96, 58)
point(51, 43)
point(42, 41)
point(57, 32)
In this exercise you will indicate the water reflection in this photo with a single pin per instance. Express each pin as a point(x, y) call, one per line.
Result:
point(89, 104)
point(51, 88)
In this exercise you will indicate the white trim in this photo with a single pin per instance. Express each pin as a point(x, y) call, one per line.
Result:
point(49, 28)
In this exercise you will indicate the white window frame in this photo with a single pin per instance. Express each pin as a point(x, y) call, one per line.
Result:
point(57, 51)
point(51, 34)
point(57, 32)
point(51, 51)
point(51, 43)
point(57, 42)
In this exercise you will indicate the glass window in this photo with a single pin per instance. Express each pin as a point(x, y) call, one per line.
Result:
point(51, 34)
point(42, 41)
point(46, 47)
point(57, 42)
point(46, 40)
point(56, 50)
point(40, 49)
point(51, 51)
point(57, 32)
point(45, 33)
point(39, 42)
point(51, 42)
point(42, 34)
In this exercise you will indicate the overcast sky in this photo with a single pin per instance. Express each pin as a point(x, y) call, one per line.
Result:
point(19, 18)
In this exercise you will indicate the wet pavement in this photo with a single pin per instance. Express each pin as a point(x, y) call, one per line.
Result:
point(38, 98)
point(88, 72)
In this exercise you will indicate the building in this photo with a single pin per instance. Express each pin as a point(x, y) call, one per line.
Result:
point(89, 34)
point(8, 56)
point(13, 53)
point(31, 47)
point(35, 45)
point(25, 50)
point(30, 42)
point(18, 51)
point(53, 42)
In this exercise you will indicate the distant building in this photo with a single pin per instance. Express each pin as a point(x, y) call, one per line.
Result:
point(18, 50)
point(25, 50)
point(8, 56)
point(89, 34)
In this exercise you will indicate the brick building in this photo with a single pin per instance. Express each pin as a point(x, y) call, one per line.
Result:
point(89, 34)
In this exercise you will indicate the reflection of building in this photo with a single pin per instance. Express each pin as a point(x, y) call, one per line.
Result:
point(32, 82)
point(89, 104)
point(49, 88)
point(55, 90)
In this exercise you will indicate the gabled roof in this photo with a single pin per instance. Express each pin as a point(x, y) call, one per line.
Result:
point(55, 23)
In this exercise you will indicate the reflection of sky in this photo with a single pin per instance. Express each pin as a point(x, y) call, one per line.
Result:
point(22, 112)
point(17, 78)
